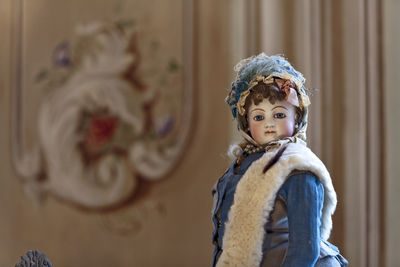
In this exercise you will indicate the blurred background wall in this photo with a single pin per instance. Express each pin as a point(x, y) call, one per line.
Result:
point(391, 40)
point(345, 49)
point(171, 226)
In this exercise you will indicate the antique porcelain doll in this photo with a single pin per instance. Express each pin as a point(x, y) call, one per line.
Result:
point(273, 205)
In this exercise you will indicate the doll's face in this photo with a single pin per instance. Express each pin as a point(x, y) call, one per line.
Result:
point(269, 122)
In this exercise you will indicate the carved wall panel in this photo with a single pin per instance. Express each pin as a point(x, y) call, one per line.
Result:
point(102, 100)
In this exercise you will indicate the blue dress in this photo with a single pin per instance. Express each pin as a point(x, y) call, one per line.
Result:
point(293, 228)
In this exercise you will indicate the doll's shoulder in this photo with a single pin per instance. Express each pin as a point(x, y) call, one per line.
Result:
point(298, 147)
point(299, 151)
point(302, 177)
point(299, 182)
point(299, 157)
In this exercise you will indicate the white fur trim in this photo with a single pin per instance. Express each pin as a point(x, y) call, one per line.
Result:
point(255, 198)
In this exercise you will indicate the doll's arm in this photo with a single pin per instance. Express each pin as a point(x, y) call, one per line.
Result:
point(304, 199)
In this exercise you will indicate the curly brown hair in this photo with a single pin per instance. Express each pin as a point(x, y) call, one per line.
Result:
point(263, 91)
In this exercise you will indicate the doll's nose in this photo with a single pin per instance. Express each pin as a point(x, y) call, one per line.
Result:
point(269, 123)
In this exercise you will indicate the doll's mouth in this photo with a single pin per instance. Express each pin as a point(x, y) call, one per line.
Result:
point(270, 132)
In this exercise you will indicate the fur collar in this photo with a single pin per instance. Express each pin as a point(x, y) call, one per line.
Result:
point(255, 198)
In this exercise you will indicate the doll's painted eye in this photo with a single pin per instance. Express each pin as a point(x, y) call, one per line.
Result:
point(258, 118)
point(279, 116)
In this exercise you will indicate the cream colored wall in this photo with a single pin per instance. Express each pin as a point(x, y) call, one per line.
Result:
point(180, 236)
point(392, 130)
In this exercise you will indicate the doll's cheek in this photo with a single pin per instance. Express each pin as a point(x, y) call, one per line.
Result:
point(255, 129)
point(287, 128)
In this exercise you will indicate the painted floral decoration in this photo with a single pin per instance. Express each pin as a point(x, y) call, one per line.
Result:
point(98, 129)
